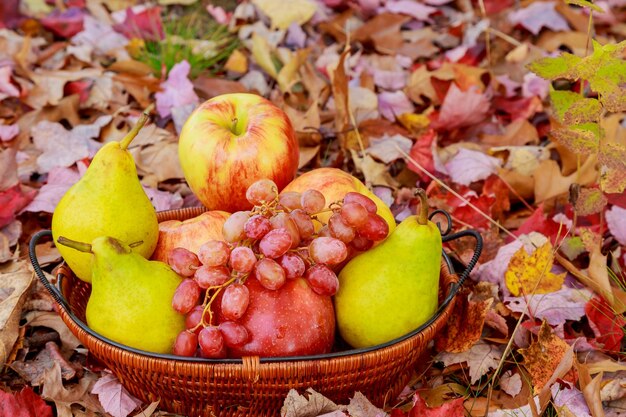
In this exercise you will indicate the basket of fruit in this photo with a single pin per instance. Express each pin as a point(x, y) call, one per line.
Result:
point(218, 314)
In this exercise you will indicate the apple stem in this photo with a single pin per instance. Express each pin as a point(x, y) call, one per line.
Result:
point(422, 217)
point(234, 126)
point(80, 246)
point(145, 116)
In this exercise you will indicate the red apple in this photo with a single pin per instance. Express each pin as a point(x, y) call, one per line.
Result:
point(290, 321)
point(231, 141)
point(189, 234)
point(335, 184)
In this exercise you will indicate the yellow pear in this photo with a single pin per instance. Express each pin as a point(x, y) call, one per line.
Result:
point(392, 289)
point(131, 297)
point(107, 201)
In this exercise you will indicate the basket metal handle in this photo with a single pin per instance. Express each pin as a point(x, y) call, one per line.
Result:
point(53, 290)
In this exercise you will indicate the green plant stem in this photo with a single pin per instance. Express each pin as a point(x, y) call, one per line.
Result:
point(145, 116)
point(422, 217)
point(79, 246)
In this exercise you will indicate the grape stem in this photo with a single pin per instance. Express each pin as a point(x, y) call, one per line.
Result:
point(207, 304)
point(422, 217)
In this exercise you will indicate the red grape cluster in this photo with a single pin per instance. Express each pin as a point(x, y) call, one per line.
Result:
point(273, 242)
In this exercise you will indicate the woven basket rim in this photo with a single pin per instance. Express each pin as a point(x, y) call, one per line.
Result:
point(448, 295)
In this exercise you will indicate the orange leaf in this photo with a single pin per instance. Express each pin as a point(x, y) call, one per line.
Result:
point(528, 274)
point(543, 356)
point(465, 325)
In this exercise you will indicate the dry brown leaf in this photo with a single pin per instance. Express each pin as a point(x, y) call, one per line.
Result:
point(53, 321)
point(383, 30)
point(49, 85)
point(543, 356)
point(465, 325)
point(208, 87)
point(66, 109)
point(314, 404)
point(159, 160)
point(33, 371)
point(289, 74)
point(64, 397)
point(520, 132)
point(590, 389)
point(550, 182)
point(8, 168)
point(374, 172)
point(15, 280)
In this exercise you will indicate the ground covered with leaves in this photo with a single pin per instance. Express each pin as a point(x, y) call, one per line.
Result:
point(510, 114)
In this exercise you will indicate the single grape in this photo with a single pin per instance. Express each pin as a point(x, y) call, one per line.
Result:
point(194, 317)
point(283, 220)
point(186, 344)
point(275, 243)
point(214, 253)
point(235, 301)
point(211, 276)
point(303, 221)
point(211, 342)
point(290, 200)
point(354, 214)
point(261, 191)
point(375, 228)
point(354, 197)
point(234, 334)
point(361, 243)
point(233, 229)
point(322, 280)
point(328, 250)
point(312, 201)
point(257, 226)
point(183, 261)
point(339, 229)
point(293, 265)
point(270, 274)
point(242, 259)
point(186, 296)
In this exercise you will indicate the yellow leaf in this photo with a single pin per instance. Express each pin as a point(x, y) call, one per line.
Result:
point(288, 74)
point(528, 274)
point(414, 122)
point(262, 56)
point(283, 14)
point(237, 62)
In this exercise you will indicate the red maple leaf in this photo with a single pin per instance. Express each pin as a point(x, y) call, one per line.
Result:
point(422, 152)
point(23, 404)
point(452, 408)
point(12, 201)
point(606, 324)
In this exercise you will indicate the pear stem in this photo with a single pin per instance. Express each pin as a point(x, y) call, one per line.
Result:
point(80, 246)
point(422, 217)
point(145, 116)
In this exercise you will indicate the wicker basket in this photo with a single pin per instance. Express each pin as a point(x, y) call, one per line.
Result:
point(252, 385)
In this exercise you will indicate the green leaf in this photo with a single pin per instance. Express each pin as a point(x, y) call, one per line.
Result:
point(583, 111)
point(586, 3)
point(581, 139)
point(562, 101)
point(552, 68)
point(609, 81)
point(589, 201)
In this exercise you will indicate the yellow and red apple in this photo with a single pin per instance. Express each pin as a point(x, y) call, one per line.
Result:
point(189, 234)
point(231, 141)
point(334, 184)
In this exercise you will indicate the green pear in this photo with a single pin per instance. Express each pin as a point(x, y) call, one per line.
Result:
point(392, 289)
point(107, 201)
point(131, 297)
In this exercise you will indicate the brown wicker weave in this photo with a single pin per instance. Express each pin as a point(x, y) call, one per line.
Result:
point(250, 387)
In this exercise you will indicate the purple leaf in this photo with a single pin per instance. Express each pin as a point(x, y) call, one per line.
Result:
point(163, 200)
point(468, 166)
point(555, 307)
point(393, 104)
point(177, 90)
point(569, 401)
point(295, 36)
point(389, 80)
point(113, 396)
point(411, 8)
point(616, 221)
point(219, 14)
point(538, 15)
point(60, 179)
point(7, 89)
point(8, 132)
